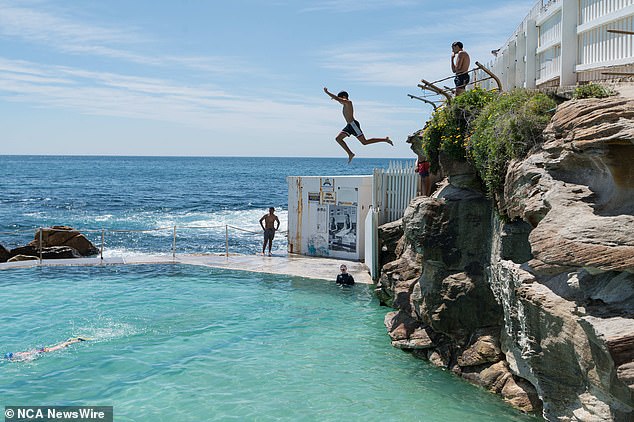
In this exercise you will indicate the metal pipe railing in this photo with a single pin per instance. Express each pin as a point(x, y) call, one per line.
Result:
point(41, 231)
point(104, 230)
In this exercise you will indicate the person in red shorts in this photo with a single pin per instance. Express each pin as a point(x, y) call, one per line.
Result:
point(422, 168)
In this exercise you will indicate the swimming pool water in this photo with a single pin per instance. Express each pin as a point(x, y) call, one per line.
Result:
point(181, 343)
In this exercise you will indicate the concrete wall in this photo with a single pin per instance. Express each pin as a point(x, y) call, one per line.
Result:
point(326, 215)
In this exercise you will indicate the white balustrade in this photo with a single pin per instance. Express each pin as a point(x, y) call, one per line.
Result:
point(565, 42)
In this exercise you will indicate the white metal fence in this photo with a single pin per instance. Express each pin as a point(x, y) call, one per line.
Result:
point(393, 189)
point(563, 42)
point(100, 236)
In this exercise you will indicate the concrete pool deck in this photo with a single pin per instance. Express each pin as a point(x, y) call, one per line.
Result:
point(286, 264)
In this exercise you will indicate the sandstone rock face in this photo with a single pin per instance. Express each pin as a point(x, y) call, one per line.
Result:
point(539, 306)
point(569, 319)
point(485, 350)
point(447, 312)
point(406, 332)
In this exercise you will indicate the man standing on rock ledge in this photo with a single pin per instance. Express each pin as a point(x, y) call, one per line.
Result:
point(460, 62)
point(269, 228)
point(352, 126)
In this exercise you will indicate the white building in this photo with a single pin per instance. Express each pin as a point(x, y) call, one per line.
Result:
point(565, 42)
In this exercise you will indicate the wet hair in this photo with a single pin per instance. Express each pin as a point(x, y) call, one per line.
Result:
point(271, 209)
point(457, 44)
point(343, 94)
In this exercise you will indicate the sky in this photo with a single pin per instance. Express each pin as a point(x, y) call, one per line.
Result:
point(229, 78)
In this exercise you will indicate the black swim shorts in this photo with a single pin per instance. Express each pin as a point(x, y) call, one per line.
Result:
point(353, 129)
point(461, 80)
point(269, 234)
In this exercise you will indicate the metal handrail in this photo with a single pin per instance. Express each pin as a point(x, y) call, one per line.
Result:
point(103, 231)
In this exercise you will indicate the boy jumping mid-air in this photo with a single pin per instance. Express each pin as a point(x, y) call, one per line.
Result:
point(352, 127)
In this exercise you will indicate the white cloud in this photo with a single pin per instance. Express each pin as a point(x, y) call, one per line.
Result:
point(110, 94)
point(37, 25)
point(64, 34)
point(404, 56)
point(290, 124)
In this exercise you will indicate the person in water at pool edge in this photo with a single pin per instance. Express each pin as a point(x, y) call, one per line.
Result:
point(31, 354)
point(344, 278)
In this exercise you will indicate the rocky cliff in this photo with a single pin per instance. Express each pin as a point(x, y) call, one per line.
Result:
point(537, 306)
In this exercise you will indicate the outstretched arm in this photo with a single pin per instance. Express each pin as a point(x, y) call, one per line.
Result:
point(333, 96)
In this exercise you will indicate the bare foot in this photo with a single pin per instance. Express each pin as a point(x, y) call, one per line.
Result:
point(389, 141)
point(350, 157)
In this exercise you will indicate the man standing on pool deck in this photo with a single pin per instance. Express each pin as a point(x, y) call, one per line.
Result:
point(269, 228)
point(352, 127)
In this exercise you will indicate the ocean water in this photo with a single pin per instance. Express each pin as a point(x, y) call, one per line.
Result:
point(182, 343)
point(145, 193)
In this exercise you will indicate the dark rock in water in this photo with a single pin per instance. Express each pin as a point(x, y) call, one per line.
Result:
point(65, 236)
point(58, 242)
point(25, 250)
point(60, 252)
point(4, 254)
point(50, 252)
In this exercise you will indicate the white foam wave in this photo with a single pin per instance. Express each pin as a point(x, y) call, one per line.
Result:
point(102, 218)
point(119, 252)
point(110, 330)
point(212, 221)
point(243, 219)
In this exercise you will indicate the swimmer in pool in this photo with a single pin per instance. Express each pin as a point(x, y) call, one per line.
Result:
point(32, 354)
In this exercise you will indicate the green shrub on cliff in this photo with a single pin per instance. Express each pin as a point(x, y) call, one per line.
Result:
point(489, 129)
point(591, 90)
point(507, 129)
point(449, 127)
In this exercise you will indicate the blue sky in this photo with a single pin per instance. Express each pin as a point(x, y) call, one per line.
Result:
point(240, 78)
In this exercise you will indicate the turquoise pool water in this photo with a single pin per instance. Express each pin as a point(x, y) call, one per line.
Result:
point(180, 343)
